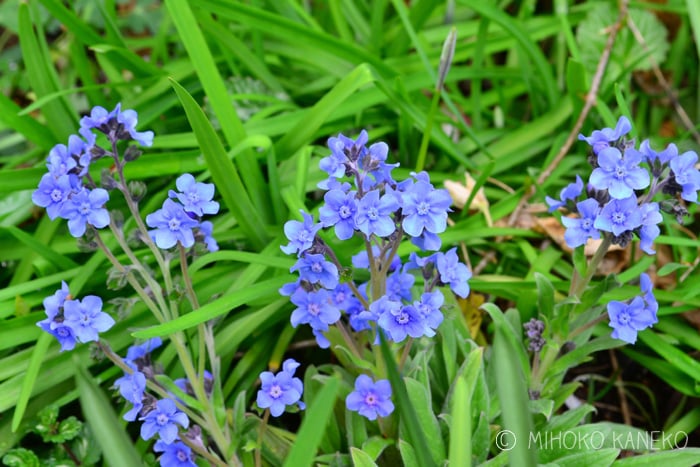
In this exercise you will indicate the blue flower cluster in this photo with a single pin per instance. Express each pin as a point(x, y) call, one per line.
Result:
point(67, 191)
point(159, 417)
point(363, 200)
point(181, 221)
point(72, 321)
point(625, 180)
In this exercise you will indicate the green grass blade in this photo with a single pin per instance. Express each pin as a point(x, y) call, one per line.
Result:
point(40, 248)
point(461, 428)
point(313, 427)
point(42, 345)
point(109, 432)
point(224, 172)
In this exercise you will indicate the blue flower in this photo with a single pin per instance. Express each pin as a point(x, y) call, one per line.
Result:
point(85, 207)
point(59, 161)
point(424, 208)
point(280, 390)
point(649, 229)
point(453, 272)
point(339, 212)
point(172, 225)
point(136, 354)
point(427, 241)
point(132, 387)
point(176, 454)
point(686, 175)
point(300, 234)
point(163, 420)
point(53, 192)
point(373, 214)
point(403, 321)
point(315, 269)
point(314, 308)
point(647, 288)
point(370, 399)
point(619, 175)
point(628, 319)
point(129, 119)
point(619, 215)
point(86, 318)
point(99, 118)
point(601, 139)
point(206, 228)
point(579, 230)
point(54, 323)
point(342, 297)
point(429, 308)
point(569, 193)
point(398, 285)
point(196, 197)
point(653, 157)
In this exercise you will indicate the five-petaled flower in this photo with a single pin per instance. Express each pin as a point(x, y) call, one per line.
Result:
point(163, 420)
point(280, 390)
point(171, 225)
point(370, 399)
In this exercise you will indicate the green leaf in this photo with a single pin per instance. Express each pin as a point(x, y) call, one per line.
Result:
point(668, 268)
point(420, 400)
point(30, 377)
point(545, 295)
point(20, 457)
point(224, 172)
point(313, 426)
point(675, 458)
point(361, 458)
point(408, 454)
point(588, 458)
point(461, 426)
point(107, 428)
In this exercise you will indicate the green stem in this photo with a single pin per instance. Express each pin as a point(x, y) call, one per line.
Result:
point(577, 290)
point(261, 431)
point(423, 151)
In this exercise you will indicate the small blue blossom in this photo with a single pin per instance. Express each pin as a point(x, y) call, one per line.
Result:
point(86, 207)
point(424, 208)
point(314, 308)
point(59, 161)
point(53, 192)
point(370, 399)
point(579, 230)
point(196, 197)
point(601, 139)
point(404, 321)
point(569, 193)
point(628, 319)
point(176, 454)
point(99, 118)
point(86, 318)
point(316, 270)
point(280, 390)
point(138, 353)
point(129, 119)
point(54, 323)
point(427, 241)
point(373, 214)
point(686, 175)
point(429, 307)
point(342, 297)
point(399, 285)
point(453, 273)
point(172, 225)
point(619, 215)
point(300, 234)
point(163, 420)
point(132, 387)
point(619, 175)
point(658, 158)
point(647, 288)
point(339, 212)
point(649, 229)
point(206, 228)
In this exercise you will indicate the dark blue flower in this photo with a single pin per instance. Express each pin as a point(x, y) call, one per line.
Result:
point(196, 197)
point(619, 215)
point(370, 399)
point(453, 273)
point(649, 229)
point(601, 139)
point(619, 175)
point(374, 214)
point(85, 207)
point(86, 318)
point(164, 421)
point(579, 230)
point(316, 270)
point(339, 212)
point(280, 390)
point(628, 319)
point(300, 234)
point(569, 193)
point(176, 454)
point(171, 225)
point(314, 308)
point(686, 175)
